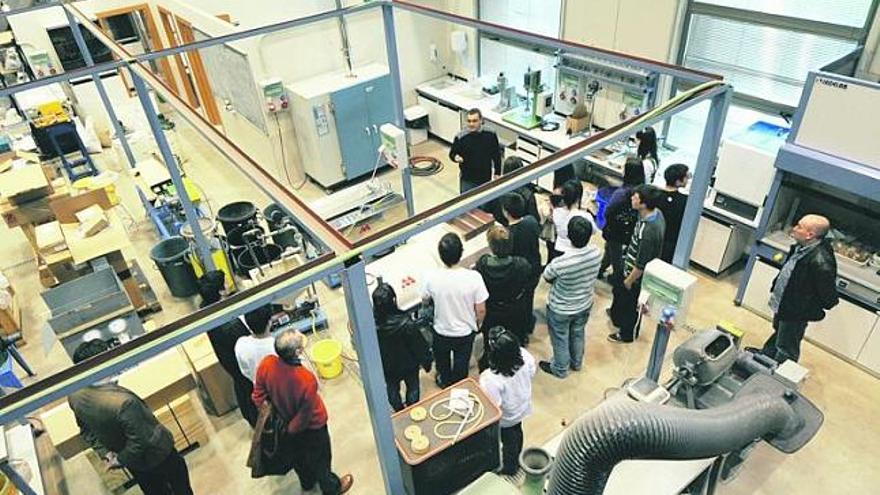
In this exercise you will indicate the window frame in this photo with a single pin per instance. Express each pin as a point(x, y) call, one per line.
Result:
point(818, 28)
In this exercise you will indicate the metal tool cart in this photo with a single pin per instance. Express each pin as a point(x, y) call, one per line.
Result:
point(842, 183)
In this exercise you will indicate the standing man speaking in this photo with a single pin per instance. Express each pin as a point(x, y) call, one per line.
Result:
point(477, 152)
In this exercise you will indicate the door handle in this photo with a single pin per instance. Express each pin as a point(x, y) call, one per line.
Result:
point(367, 130)
point(376, 129)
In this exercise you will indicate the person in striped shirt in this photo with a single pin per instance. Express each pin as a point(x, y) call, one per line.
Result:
point(572, 276)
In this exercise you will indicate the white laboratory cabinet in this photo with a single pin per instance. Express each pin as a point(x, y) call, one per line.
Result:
point(444, 121)
point(844, 330)
point(757, 294)
point(718, 245)
point(869, 357)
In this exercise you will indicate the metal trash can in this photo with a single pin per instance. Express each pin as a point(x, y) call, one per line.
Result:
point(172, 258)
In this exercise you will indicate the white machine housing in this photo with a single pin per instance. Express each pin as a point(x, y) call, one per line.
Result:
point(745, 174)
point(315, 121)
point(666, 285)
point(394, 147)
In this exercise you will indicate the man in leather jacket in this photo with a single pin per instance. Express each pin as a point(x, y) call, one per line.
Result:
point(804, 289)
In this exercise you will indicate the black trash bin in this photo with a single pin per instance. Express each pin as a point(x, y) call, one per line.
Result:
point(171, 256)
point(277, 218)
point(236, 214)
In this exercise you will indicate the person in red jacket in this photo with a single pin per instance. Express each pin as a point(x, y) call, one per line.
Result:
point(293, 392)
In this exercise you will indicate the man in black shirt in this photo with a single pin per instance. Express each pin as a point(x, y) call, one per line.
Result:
point(477, 152)
point(524, 233)
point(672, 205)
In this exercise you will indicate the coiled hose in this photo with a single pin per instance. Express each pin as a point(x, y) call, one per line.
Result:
point(620, 430)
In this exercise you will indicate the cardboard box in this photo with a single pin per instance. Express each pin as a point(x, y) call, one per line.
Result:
point(86, 214)
point(50, 239)
point(91, 220)
point(576, 125)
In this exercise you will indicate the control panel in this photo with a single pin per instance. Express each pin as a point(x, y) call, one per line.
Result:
point(275, 95)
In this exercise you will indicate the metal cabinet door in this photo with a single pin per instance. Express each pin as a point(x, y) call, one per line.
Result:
point(355, 136)
point(380, 110)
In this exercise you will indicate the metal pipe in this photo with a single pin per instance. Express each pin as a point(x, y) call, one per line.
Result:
point(189, 211)
point(366, 341)
point(99, 85)
point(343, 36)
point(702, 176)
point(397, 100)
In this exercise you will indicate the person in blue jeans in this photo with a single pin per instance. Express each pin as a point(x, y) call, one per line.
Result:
point(572, 276)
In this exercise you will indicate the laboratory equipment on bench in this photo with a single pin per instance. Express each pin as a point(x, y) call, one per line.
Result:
point(528, 117)
point(357, 204)
point(337, 119)
point(506, 94)
point(394, 149)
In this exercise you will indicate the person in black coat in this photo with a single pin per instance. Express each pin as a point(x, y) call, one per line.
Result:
point(804, 289)
point(223, 339)
point(477, 152)
point(507, 279)
point(526, 192)
point(402, 346)
point(620, 218)
point(525, 233)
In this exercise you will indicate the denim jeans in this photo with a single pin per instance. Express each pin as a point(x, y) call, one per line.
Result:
point(567, 336)
point(452, 356)
point(785, 343)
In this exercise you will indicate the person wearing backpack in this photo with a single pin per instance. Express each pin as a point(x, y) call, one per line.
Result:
point(402, 347)
point(620, 218)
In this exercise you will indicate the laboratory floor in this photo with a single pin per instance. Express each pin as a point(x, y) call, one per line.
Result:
point(838, 460)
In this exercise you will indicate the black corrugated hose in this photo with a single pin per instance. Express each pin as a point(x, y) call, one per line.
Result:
point(620, 430)
point(434, 166)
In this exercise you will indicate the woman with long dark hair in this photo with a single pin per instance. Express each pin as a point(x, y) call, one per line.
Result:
point(402, 347)
point(508, 382)
point(647, 152)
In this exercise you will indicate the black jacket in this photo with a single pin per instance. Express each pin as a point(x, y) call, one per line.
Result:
point(223, 339)
point(402, 346)
point(507, 278)
point(812, 288)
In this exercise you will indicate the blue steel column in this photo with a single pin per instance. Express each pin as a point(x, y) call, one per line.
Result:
point(702, 175)
point(171, 163)
point(96, 78)
point(360, 314)
point(397, 97)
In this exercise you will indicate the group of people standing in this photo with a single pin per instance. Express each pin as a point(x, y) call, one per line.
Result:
point(495, 297)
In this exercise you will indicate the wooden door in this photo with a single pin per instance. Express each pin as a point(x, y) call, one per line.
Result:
point(152, 42)
point(171, 34)
point(203, 84)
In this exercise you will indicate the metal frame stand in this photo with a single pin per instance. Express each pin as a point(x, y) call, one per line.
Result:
point(99, 85)
point(397, 92)
point(192, 217)
point(360, 314)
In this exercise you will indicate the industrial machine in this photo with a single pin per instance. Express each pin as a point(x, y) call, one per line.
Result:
point(719, 403)
point(337, 119)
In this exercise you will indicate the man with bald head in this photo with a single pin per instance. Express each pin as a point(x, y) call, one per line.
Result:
point(804, 289)
point(292, 390)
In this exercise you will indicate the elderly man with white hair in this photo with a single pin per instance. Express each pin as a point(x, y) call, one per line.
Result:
point(804, 289)
point(292, 390)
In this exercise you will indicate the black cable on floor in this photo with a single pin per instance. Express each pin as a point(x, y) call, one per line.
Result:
point(434, 166)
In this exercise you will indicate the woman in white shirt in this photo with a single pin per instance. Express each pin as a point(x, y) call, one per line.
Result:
point(647, 152)
point(567, 205)
point(508, 382)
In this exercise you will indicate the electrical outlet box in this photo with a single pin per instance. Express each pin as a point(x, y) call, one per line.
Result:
point(274, 94)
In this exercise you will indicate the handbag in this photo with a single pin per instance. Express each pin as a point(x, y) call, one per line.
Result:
point(267, 455)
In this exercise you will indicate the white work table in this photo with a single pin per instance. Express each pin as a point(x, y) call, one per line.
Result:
point(411, 262)
point(463, 96)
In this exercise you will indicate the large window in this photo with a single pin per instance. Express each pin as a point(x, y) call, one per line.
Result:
point(514, 59)
point(766, 48)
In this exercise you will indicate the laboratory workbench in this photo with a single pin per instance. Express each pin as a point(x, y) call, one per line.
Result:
point(460, 96)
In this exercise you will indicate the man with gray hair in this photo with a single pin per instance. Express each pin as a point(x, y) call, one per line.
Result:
point(805, 287)
point(292, 390)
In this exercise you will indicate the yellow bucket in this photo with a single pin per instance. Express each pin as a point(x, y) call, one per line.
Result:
point(327, 356)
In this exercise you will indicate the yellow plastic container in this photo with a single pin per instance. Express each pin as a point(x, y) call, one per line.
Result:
point(327, 356)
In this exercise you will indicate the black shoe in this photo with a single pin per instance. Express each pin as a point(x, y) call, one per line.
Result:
point(547, 368)
point(617, 339)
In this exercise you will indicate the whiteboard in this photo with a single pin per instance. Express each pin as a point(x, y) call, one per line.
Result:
point(232, 79)
point(841, 120)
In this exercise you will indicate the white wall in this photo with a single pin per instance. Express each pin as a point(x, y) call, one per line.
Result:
point(636, 27)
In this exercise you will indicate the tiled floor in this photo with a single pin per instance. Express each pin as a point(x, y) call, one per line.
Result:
point(838, 460)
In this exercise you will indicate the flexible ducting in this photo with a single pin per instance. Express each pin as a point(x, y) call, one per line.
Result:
point(620, 430)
